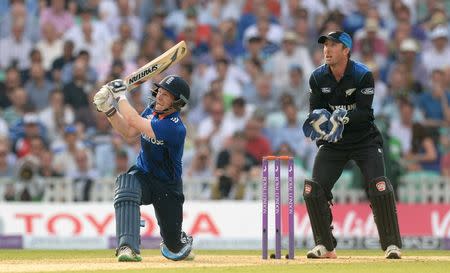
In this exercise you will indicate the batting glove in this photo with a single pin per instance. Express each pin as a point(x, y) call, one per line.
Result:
point(316, 125)
point(337, 121)
point(118, 89)
point(103, 101)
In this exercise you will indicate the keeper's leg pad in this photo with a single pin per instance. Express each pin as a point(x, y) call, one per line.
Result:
point(382, 202)
point(319, 213)
point(127, 199)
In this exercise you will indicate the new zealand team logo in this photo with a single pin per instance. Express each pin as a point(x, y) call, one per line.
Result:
point(349, 92)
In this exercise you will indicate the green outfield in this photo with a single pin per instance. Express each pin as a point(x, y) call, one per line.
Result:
point(220, 261)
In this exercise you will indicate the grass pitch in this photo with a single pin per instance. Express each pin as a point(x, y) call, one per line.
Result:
point(220, 261)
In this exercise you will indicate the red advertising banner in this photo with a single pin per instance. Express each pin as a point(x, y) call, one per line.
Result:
point(215, 220)
point(356, 220)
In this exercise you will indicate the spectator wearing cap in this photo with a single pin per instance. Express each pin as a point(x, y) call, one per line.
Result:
point(438, 56)
point(291, 54)
point(373, 36)
point(30, 128)
point(64, 160)
point(409, 55)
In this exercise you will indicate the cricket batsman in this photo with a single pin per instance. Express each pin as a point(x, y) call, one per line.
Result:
point(156, 176)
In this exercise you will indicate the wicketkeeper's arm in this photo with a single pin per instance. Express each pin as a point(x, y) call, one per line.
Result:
point(363, 112)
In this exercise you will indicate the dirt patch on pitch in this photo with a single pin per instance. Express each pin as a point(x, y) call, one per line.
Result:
point(201, 261)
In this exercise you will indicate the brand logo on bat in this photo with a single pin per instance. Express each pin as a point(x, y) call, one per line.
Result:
point(142, 74)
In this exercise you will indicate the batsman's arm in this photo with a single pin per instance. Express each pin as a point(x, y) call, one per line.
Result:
point(134, 121)
point(121, 126)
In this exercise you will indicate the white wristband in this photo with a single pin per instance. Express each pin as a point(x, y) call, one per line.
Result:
point(122, 97)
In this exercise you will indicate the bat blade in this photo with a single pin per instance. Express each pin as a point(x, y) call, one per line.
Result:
point(156, 66)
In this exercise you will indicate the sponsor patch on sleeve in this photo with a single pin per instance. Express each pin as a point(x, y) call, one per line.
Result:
point(368, 91)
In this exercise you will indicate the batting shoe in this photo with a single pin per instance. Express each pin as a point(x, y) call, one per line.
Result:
point(320, 252)
point(393, 252)
point(126, 254)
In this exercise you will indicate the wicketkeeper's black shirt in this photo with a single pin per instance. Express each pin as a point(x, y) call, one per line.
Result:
point(354, 93)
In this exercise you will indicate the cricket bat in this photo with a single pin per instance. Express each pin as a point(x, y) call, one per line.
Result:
point(156, 66)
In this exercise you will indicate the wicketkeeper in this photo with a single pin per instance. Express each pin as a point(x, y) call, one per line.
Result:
point(156, 177)
point(341, 121)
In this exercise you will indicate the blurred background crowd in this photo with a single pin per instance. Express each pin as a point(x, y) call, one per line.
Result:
point(248, 68)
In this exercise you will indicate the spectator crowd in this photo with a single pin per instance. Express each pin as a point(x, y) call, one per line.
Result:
point(248, 66)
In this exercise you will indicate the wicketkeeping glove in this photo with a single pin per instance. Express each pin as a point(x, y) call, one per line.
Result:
point(316, 125)
point(118, 89)
point(337, 121)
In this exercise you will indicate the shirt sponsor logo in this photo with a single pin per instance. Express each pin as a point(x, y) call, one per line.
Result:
point(349, 92)
point(368, 91)
point(346, 107)
point(326, 90)
point(152, 140)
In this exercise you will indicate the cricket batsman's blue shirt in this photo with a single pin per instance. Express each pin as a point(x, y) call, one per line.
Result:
point(161, 156)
